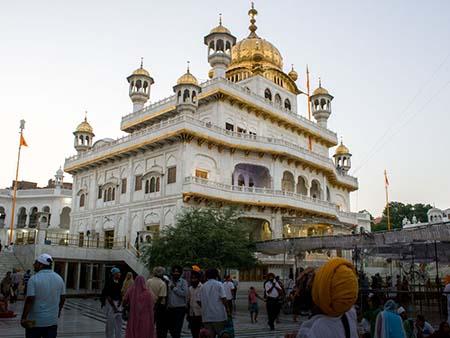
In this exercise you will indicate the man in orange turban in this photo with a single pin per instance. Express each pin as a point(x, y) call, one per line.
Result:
point(334, 292)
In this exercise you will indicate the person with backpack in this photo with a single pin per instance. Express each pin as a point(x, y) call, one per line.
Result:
point(334, 293)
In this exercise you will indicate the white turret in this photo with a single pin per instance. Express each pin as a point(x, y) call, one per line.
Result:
point(59, 178)
point(321, 105)
point(83, 136)
point(342, 158)
point(219, 42)
point(187, 90)
point(139, 91)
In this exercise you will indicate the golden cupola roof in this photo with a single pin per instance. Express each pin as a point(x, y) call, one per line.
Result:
point(320, 90)
point(255, 55)
point(342, 149)
point(84, 127)
point(187, 78)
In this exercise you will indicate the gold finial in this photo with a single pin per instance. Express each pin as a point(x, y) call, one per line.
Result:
point(85, 116)
point(142, 62)
point(220, 19)
point(320, 82)
point(292, 66)
point(252, 13)
point(188, 63)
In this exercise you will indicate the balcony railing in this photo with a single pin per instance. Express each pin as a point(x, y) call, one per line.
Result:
point(35, 192)
point(238, 137)
point(243, 92)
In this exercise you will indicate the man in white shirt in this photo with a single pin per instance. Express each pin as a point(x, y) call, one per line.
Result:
point(229, 287)
point(212, 300)
point(272, 292)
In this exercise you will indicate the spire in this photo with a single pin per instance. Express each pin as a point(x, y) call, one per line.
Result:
point(142, 62)
point(320, 82)
point(188, 63)
point(252, 13)
point(220, 19)
point(85, 116)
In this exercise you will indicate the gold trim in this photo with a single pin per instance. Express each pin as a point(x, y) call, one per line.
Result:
point(256, 109)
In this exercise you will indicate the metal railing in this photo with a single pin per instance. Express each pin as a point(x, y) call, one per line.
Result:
point(84, 242)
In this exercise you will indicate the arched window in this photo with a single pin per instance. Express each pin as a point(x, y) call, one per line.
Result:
point(228, 47)
point(108, 198)
point(138, 84)
point(301, 186)
point(113, 194)
point(287, 182)
point(287, 104)
point(278, 100)
point(158, 184)
point(194, 96)
point(315, 190)
point(152, 184)
point(241, 181)
point(220, 46)
point(211, 47)
point(328, 195)
point(82, 200)
point(179, 96)
point(185, 95)
point(147, 186)
point(251, 183)
point(268, 94)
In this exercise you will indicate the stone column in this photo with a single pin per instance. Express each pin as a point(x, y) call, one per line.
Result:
point(90, 276)
point(65, 272)
point(77, 276)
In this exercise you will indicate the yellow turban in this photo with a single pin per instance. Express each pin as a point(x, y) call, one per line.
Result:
point(335, 287)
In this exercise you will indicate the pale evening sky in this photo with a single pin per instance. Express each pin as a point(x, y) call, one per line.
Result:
point(386, 63)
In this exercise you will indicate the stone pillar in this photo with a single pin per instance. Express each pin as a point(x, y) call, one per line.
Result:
point(102, 276)
point(65, 272)
point(277, 225)
point(77, 276)
point(90, 276)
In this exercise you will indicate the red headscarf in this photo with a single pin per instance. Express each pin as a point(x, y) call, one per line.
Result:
point(141, 321)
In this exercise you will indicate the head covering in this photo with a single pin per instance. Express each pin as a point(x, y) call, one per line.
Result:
point(141, 309)
point(196, 268)
point(400, 310)
point(335, 287)
point(45, 259)
point(158, 271)
point(391, 306)
point(127, 283)
point(115, 270)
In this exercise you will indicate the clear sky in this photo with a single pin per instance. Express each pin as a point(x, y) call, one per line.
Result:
point(386, 63)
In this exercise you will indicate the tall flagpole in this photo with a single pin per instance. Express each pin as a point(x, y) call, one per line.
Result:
point(11, 225)
point(386, 185)
point(309, 104)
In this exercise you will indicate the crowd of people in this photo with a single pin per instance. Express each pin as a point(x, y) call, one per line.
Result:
point(332, 297)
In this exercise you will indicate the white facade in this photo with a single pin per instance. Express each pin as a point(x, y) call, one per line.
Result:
point(40, 208)
point(237, 139)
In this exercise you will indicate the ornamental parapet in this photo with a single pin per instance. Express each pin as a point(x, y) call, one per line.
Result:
point(36, 192)
point(195, 187)
point(186, 124)
point(144, 116)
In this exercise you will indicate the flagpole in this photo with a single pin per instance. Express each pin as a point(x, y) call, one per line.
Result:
point(11, 225)
point(309, 104)
point(387, 201)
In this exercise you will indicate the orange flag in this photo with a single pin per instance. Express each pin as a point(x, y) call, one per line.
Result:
point(22, 141)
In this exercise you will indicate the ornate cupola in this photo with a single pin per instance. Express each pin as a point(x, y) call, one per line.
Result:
point(342, 158)
point(84, 135)
point(219, 42)
point(59, 178)
point(187, 90)
point(321, 105)
point(139, 91)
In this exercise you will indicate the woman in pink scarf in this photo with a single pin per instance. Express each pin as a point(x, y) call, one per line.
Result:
point(140, 301)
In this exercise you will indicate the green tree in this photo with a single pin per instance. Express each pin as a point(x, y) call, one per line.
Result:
point(209, 237)
point(398, 211)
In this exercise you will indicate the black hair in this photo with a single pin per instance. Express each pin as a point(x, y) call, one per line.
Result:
point(212, 273)
point(177, 268)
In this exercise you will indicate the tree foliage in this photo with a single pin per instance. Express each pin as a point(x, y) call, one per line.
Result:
point(208, 237)
point(398, 211)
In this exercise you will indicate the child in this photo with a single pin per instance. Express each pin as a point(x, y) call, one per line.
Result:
point(253, 304)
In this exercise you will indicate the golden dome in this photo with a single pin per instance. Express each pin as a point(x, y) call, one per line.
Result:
point(293, 74)
point(342, 150)
point(255, 50)
point(141, 71)
point(320, 90)
point(84, 127)
point(187, 78)
point(220, 29)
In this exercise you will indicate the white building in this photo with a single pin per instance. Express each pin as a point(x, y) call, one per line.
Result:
point(238, 139)
point(36, 208)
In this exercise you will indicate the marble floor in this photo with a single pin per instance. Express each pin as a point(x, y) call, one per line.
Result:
point(83, 318)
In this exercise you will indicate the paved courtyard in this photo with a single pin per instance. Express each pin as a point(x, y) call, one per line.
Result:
point(83, 318)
